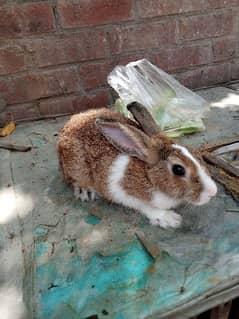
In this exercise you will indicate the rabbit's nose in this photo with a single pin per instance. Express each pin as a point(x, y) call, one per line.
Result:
point(212, 191)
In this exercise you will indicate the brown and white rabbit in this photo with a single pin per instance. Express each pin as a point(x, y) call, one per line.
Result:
point(132, 163)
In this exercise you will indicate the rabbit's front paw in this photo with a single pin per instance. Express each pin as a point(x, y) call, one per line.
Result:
point(166, 219)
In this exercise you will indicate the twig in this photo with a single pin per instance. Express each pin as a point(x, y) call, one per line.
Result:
point(233, 210)
point(14, 147)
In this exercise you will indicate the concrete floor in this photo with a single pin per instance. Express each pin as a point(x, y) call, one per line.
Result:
point(50, 243)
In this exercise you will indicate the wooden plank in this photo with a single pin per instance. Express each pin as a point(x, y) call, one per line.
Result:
point(220, 163)
point(229, 182)
point(212, 146)
point(222, 311)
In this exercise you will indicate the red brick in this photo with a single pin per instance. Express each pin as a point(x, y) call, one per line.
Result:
point(215, 4)
point(20, 112)
point(184, 57)
point(206, 76)
point(68, 49)
point(235, 69)
point(224, 48)
point(236, 26)
point(94, 75)
point(206, 26)
point(26, 19)
point(12, 60)
point(142, 36)
point(5, 89)
point(37, 85)
point(95, 12)
point(74, 104)
point(125, 59)
point(153, 8)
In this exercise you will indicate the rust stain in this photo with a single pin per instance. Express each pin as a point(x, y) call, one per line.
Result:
point(214, 280)
point(95, 211)
point(152, 269)
point(153, 250)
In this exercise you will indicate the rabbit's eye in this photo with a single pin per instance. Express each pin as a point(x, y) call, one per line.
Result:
point(178, 170)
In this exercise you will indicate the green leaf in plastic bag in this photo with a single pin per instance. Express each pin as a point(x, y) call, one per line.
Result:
point(178, 129)
point(186, 127)
point(120, 107)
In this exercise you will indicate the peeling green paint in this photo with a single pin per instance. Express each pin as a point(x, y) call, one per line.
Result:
point(80, 284)
point(93, 220)
point(40, 231)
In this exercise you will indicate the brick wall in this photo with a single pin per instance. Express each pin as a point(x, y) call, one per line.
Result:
point(55, 55)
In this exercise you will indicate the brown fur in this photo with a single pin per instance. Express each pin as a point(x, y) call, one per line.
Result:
point(136, 182)
point(85, 154)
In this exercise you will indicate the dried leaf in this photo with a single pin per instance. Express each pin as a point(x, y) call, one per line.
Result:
point(8, 129)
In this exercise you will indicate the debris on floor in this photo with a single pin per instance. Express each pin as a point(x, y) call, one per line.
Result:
point(7, 129)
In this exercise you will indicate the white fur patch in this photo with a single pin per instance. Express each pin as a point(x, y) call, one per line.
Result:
point(119, 195)
point(165, 218)
point(209, 186)
point(156, 210)
point(163, 201)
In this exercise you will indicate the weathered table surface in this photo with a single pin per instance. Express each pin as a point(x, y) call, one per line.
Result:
point(67, 259)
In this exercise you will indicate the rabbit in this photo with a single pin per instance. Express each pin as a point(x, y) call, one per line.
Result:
point(132, 162)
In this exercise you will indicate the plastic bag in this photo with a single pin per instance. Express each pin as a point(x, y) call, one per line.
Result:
point(176, 109)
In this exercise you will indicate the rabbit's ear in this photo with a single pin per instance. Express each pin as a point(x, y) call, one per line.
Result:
point(128, 139)
point(144, 118)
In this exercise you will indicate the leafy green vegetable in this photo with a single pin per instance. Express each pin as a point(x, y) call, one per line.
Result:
point(177, 129)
